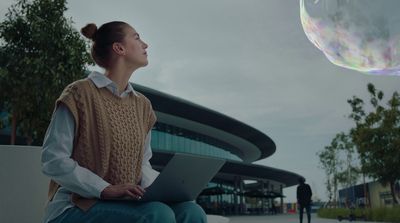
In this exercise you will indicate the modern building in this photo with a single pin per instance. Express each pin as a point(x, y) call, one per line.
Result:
point(240, 186)
point(373, 194)
point(185, 127)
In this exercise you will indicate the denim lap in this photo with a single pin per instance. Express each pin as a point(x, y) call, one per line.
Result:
point(189, 211)
point(129, 212)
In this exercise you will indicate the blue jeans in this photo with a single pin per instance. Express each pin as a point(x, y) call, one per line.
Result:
point(130, 212)
point(308, 210)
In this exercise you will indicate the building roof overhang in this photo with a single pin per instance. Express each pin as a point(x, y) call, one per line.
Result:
point(250, 144)
point(232, 170)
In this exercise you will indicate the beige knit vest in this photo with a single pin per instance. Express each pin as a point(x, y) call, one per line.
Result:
point(109, 133)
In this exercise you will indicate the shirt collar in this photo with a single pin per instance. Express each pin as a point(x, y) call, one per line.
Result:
point(101, 80)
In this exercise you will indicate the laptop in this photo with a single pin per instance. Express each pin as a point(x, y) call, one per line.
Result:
point(183, 178)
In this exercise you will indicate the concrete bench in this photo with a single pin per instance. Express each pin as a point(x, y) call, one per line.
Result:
point(23, 188)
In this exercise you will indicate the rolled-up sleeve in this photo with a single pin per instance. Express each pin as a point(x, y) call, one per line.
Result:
point(57, 162)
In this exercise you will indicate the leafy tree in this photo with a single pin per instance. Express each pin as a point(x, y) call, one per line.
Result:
point(337, 160)
point(40, 54)
point(329, 160)
point(377, 136)
point(2, 74)
point(349, 174)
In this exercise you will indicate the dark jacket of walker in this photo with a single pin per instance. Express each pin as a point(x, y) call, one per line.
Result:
point(304, 194)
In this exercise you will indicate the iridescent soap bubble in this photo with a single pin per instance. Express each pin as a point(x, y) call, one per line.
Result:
point(362, 35)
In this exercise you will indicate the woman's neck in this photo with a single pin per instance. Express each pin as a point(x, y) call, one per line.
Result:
point(120, 76)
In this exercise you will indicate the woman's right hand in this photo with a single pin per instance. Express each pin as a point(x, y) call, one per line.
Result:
point(122, 190)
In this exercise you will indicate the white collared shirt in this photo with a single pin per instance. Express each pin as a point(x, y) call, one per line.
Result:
point(59, 166)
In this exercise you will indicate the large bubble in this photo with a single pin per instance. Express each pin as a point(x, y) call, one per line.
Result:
point(362, 35)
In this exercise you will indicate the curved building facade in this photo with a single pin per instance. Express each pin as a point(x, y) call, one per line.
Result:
point(185, 127)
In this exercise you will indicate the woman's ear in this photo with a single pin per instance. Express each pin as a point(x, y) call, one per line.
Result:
point(119, 49)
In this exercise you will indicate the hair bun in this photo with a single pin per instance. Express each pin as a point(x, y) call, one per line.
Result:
point(89, 31)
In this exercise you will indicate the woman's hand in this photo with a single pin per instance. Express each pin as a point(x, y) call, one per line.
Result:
point(122, 190)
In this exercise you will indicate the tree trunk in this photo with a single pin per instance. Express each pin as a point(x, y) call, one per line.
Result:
point(366, 193)
point(29, 140)
point(395, 202)
point(335, 191)
point(13, 129)
point(329, 188)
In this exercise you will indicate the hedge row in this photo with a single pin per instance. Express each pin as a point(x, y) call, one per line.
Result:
point(370, 214)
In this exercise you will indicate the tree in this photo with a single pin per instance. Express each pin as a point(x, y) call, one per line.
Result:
point(330, 162)
point(337, 160)
point(40, 54)
point(377, 136)
point(2, 74)
point(349, 173)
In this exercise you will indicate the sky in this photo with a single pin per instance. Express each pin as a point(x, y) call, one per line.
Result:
point(248, 59)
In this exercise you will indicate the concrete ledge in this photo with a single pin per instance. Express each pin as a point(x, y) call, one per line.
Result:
point(23, 192)
point(217, 219)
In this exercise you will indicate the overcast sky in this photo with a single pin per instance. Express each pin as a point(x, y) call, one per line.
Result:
point(248, 59)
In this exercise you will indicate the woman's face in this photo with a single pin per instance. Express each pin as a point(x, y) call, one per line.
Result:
point(135, 48)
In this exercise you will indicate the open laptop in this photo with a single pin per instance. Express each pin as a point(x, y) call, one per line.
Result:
point(183, 178)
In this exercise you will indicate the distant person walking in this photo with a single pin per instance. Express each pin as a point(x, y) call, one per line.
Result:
point(304, 194)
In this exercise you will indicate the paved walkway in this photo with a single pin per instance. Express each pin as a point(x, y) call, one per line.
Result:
point(284, 218)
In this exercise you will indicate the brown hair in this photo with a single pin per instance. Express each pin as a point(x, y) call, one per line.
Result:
point(103, 38)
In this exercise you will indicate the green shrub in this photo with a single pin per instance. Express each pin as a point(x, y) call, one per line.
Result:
point(378, 214)
point(375, 214)
point(333, 212)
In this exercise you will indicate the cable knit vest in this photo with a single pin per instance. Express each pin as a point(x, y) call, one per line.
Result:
point(109, 134)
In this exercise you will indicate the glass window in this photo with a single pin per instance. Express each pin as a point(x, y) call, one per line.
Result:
point(170, 138)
